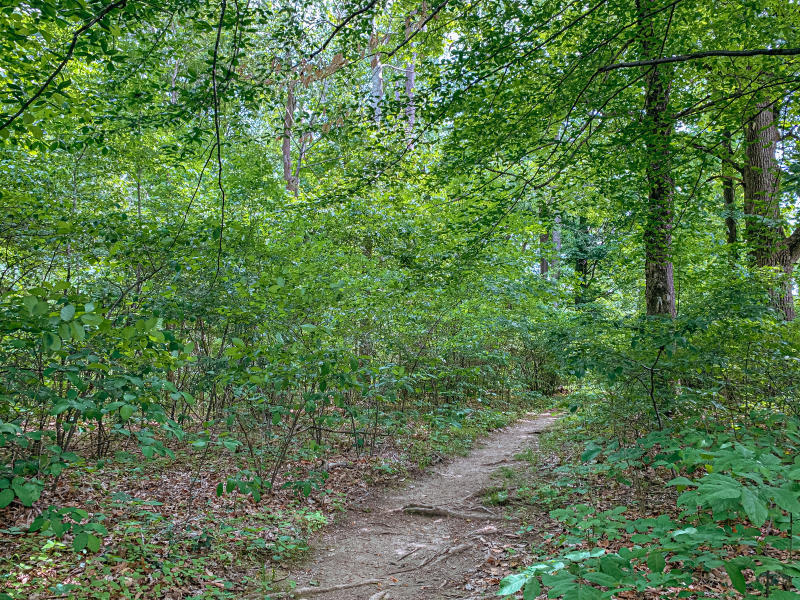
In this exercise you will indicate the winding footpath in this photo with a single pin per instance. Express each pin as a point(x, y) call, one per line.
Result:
point(421, 541)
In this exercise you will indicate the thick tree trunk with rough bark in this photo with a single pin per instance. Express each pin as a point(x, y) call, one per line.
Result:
point(657, 234)
point(764, 227)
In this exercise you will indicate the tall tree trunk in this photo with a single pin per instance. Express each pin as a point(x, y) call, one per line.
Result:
point(376, 74)
point(581, 260)
point(769, 246)
point(729, 197)
point(411, 110)
point(544, 265)
point(657, 234)
point(555, 235)
point(292, 181)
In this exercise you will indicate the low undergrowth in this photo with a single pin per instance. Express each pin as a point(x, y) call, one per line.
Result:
point(180, 526)
point(705, 512)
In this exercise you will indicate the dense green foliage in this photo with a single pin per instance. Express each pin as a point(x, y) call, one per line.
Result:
point(274, 230)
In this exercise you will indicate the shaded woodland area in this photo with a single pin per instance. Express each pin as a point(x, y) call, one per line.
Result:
point(261, 258)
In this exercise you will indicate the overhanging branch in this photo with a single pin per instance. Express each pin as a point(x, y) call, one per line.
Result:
point(699, 55)
point(64, 61)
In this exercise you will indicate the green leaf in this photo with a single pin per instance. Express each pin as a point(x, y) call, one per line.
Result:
point(656, 562)
point(532, 589)
point(67, 312)
point(754, 507)
point(52, 341)
point(737, 579)
point(512, 584)
point(126, 411)
point(6, 497)
point(30, 303)
point(786, 499)
point(93, 543)
point(41, 308)
point(28, 492)
point(681, 481)
point(78, 332)
point(80, 541)
point(592, 450)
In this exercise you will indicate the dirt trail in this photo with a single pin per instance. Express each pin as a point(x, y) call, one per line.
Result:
point(384, 550)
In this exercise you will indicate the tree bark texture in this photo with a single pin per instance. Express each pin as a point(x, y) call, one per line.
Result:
point(764, 226)
point(657, 232)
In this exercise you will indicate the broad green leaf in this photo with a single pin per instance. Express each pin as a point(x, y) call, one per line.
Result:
point(656, 562)
point(786, 499)
point(532, 589)
point(512, 584)
point(67, 312)
point(737, 579)
point(93, 543)
point(6, 497)
point(754, 507)
point(80, 541)
point(52, 341)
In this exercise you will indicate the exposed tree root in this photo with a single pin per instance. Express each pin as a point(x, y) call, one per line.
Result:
point(435, 558)
point(435, 511)
point(312, 591)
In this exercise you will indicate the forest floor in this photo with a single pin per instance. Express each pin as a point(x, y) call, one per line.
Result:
point(434, 538)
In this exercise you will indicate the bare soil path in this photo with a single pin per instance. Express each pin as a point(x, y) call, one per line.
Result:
point(420, 541)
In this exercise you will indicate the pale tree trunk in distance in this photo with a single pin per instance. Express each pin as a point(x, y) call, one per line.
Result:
point(376, 74)
point(411, 111)
point(657, 234)
point(769, 246)
point(292, 181)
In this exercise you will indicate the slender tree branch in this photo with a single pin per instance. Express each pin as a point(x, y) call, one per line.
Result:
point(88, 25)
point(417, 29)
point(341, 26)
point(699, 55)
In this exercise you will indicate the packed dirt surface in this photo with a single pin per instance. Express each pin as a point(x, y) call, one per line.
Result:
point(422, 541)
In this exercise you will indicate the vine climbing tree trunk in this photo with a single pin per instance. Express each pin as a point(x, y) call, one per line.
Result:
point(657, 234)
